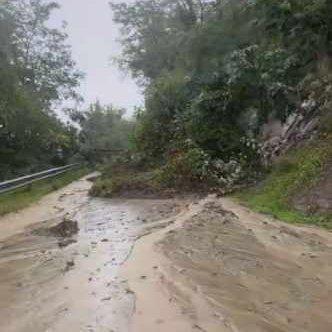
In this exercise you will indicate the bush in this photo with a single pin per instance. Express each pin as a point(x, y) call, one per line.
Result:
point(184, 169)
point(193, 168)
point(120, 180)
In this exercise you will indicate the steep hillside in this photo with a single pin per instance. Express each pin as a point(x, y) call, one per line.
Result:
point(298, 187)
point(234, 90)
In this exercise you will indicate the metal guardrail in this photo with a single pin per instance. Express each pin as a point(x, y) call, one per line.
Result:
point(28, 179)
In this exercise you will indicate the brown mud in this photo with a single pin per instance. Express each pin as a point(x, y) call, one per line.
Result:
point(74, 263)
point(226, 268)
point(60, 261)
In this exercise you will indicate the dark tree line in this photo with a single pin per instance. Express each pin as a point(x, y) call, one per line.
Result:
point(36, 73)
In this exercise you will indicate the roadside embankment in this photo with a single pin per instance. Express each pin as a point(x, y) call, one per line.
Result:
point(21, 198)
point(298, 188)
point(51, 206)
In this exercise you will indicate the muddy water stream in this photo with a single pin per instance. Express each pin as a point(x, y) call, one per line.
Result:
point(51, 284)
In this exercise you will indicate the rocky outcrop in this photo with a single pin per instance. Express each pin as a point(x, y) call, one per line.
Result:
point(279, 137)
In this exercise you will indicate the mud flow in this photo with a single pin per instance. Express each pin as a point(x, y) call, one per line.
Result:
point(72, 263)
point(62, 274)
point(255, 274)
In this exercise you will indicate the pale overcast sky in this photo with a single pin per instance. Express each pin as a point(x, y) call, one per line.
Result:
point(92, 35)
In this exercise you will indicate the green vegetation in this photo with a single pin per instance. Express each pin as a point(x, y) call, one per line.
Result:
point(23, 197)
point(214, 73)
point(104, 133)
point(294, 174)
point(127, 183)
point(36, 73)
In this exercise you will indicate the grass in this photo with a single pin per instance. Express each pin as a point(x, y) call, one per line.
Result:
point(295, 173)
point(23, 197)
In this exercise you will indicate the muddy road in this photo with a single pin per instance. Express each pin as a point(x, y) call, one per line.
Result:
point(74, 263)
point(54, 281)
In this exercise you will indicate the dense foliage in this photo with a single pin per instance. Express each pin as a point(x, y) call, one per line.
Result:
point(104, 133)
point(36, 73)
point(215, 71)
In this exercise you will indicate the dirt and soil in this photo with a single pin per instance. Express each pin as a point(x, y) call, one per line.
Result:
point(228, 269)
point(60, 260)
point(74, 263)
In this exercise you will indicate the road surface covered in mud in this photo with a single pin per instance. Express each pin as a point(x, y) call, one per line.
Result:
point(56, 276)
point(75, 263)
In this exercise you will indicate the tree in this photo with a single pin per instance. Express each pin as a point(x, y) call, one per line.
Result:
point(104, 133)
point(43, 59)
point(36, 71)
point(215, 72)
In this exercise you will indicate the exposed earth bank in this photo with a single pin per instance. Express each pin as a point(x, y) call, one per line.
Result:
point(74, 263)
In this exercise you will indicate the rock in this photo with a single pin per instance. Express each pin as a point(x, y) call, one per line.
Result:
point(106, 298)
point(197, 327)
point(69, 265)
point(129, 291)
point(288, 231)
point(66, 242)
point(268, 302)
point(66, 228)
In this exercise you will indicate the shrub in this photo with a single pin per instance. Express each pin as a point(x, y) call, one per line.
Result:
point(193, 168)
point(184, 168)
